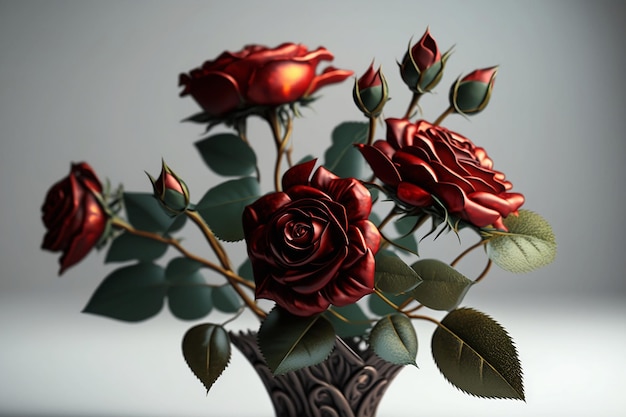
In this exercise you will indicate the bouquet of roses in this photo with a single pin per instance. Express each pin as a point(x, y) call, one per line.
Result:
point(334, 245)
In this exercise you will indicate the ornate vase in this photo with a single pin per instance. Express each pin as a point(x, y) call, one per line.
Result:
point(350, 383)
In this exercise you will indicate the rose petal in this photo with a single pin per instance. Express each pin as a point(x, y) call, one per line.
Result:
point(479, 215)
point(330, 75)
point(298, 174)
point(94, 223)
point(396, 132)
point(217, 93)
point(382, 166)
point(322, 178)
point(280, 82)
point(353, 284)
point(413, 195)
point(262, 210)
point(352, 195)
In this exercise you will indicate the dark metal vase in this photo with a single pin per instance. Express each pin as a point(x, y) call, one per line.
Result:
point(350, 383)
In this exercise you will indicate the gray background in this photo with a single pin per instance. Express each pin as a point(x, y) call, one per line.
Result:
point(97, 81)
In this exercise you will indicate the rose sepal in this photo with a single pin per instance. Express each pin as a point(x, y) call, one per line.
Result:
point(469, 96)
point(423, 80)
point(371, 92)
point(170, 190)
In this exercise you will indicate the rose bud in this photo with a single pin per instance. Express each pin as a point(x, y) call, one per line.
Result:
point(171, 191)
point(371, 92)
point(423, 65)
point(74, 215)
point(471, 94)
point(312, 245)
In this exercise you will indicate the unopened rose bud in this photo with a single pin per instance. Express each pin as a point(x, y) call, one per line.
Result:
point(371, 92)
point(171, 191)
point(423, 65)
point(471, 94)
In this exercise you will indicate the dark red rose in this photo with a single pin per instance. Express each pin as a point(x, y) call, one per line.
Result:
point(312, 245)
point(421, 160)
point(73, 215)
point(259, 76)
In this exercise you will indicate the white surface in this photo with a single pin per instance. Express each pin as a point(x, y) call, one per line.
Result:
point(68, 364)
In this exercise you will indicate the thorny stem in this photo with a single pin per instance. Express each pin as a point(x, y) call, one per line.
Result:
point(208, 233)
point(412, 105)
point(443, 115)
point(232, 277)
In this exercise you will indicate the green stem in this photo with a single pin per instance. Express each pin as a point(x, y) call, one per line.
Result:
point(466, 251)
point(210, 237)
point(281, 140)
point(443, 115)
point(427, 318)
point(371, 130)
point(346, 320)
point(485, 271)
point(386, 300)
point(232, 278)
point(412, 105)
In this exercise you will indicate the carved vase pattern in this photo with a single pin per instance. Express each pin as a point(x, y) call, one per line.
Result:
point(350, 383)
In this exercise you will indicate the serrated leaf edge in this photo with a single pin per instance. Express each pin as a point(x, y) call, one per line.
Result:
point(482, 362)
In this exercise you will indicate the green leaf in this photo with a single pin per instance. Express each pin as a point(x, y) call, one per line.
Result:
point(222, 206)
point(477, 355)
point(189, 296)
point(127, 246)
point(393, 338)
point(442, 288)
point(227, 154)
point(177, 223)
point(206, 348)
point(245, 270)
point(530, 243)
point(181, 267)
point(291, 342)
point(405, 226)
point(226, 299)
point(132, 293)
point(146, 213)
point(393, 275)
point(342, 158)
point(381, 308)
point(358, 325)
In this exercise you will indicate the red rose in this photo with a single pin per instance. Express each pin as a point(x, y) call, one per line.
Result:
point(312, 245)
point(259, 76)
point(421, 160)
point(73, 215)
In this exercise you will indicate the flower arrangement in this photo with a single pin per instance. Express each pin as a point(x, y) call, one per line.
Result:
point(332, 249)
